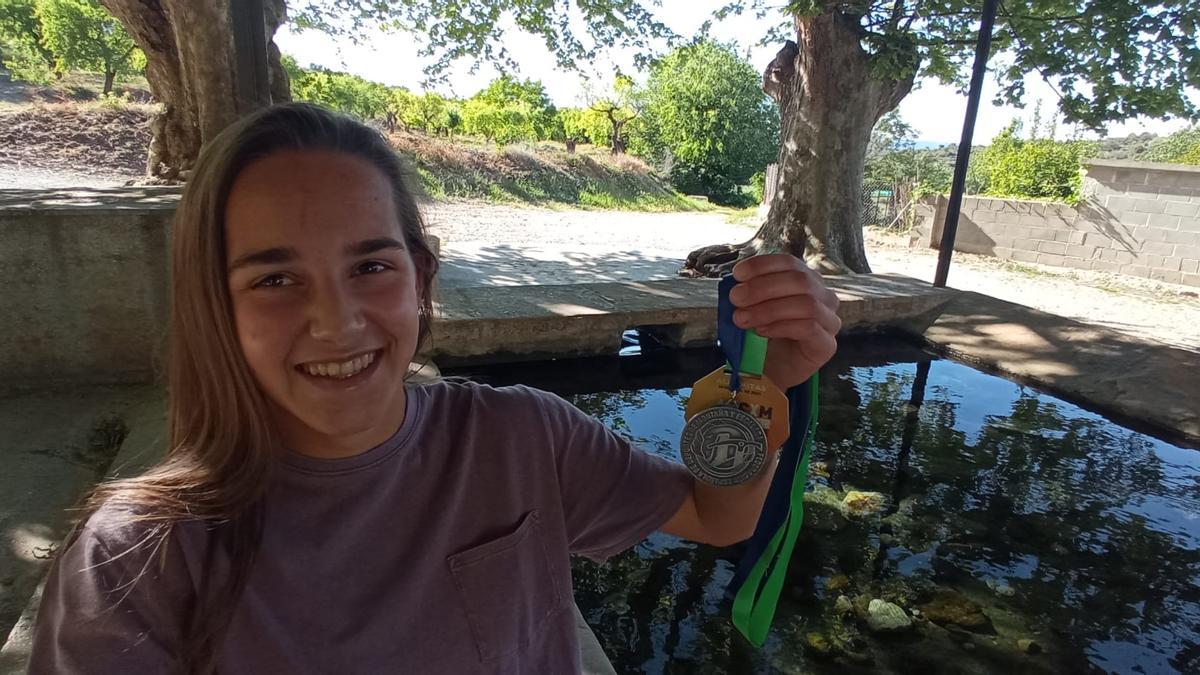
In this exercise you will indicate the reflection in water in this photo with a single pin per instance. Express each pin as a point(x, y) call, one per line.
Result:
point(1021, 532)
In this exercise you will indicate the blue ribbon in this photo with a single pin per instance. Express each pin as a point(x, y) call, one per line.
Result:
point(777, 509)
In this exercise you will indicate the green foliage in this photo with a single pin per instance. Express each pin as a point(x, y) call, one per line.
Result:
point(892, 157)
point(573, 126)
point(479, 30)
point(506, 92)
point(21, 48)
point(502, 123)
point(1038, 168)
point(1133, 146)
point(1181, 147)
point(1110, 59)
point(82, 35)
point(350, 94)
point(396, 106)
point(707, 119)
point(430, 112)
point(758, 186)
point(612, 119)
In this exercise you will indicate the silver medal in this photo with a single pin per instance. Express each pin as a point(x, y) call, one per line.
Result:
point(723, 446)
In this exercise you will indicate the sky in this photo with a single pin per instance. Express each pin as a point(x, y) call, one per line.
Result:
point(935, 111)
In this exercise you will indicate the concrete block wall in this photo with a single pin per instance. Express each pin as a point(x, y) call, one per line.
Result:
point(86, 286)
point(1136, 218)
point(88, 283)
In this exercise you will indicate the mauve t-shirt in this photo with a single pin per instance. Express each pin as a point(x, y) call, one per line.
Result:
point(443, 550)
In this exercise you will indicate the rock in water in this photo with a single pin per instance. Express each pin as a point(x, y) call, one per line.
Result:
point(843, 605)
point(837, 582)
point(818, 643)
point(1029, 646)
point(823, 510)
point(1001, 588)
point(858, 504)
point(883, 616)
point(949, 607)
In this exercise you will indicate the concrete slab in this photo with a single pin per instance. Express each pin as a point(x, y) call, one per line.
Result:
point(91, 200)
point(53, 447)
point(1131, 380)
point(525, 323)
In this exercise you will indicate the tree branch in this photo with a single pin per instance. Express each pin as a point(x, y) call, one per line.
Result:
point(1020, 41)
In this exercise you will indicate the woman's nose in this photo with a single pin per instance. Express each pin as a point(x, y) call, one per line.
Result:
point(335, 314)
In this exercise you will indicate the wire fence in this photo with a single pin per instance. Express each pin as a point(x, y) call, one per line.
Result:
point(884, 204)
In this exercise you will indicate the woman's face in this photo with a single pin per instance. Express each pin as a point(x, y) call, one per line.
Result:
point(325, 297)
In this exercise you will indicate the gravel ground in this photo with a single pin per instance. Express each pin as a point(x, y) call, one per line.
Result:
point(486, 244)
point(28, 177)
point(1143, 308)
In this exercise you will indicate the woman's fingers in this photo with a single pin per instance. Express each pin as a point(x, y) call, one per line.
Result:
point(788, 308)
point(816, 343)
point(760, 265)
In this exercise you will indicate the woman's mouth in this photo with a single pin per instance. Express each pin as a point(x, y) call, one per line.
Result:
point(340, 374)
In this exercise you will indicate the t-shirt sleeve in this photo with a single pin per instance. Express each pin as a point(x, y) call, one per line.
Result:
point(613, 494)
point(109, 606)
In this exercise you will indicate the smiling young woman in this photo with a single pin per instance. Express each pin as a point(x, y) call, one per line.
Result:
point(315, 512)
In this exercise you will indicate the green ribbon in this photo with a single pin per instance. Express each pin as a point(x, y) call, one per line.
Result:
point(756, 599)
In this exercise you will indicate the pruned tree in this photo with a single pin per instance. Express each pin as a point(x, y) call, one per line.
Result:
point(614, 109)
point(508, 93)
point(83, 36)
point(191, 71)
point(499, 122)
point(22, 50)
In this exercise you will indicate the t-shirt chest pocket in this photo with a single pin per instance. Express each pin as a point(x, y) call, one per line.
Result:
point(507, 588)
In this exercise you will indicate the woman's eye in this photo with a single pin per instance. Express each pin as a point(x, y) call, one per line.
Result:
point(273, 281)
point(372, 267)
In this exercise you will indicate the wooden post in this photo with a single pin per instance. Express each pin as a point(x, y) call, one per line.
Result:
point(250, 55)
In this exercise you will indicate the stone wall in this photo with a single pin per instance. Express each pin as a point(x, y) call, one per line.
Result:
point(86, 284)
point(1137, 218)
point(87, 292)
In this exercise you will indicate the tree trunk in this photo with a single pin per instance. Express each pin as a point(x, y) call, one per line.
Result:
point(190, 65)
point(109, 76)
point(829, 101)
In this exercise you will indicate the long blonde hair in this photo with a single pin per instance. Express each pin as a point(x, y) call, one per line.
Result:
point(221, 438)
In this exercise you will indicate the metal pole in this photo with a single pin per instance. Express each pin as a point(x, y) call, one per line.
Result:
point(982, 47)
point(250, 54)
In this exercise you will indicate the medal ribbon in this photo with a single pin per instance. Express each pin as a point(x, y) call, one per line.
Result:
point(760, 574)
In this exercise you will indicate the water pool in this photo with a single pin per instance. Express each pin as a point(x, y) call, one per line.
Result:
point(1020, 532)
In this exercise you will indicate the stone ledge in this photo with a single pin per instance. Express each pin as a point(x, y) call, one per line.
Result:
point(1134, 381)
point(90, 201)
point(525, 323)
point(1148, 166)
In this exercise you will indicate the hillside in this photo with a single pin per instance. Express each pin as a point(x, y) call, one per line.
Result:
point(543, 173)
point(45, 130)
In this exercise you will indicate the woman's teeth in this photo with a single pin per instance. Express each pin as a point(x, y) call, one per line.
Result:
point(340, 370)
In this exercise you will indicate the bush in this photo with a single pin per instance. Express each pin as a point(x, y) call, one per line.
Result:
point(758, 186)
point(1039, 168)
point(706, 117)
point(1181, 147)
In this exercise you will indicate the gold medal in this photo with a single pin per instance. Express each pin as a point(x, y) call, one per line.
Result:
point(727, 435)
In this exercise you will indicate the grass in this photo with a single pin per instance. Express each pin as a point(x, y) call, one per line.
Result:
point(75, 87)
point(544, 174)
point(1021, 268)
point(747, 217)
